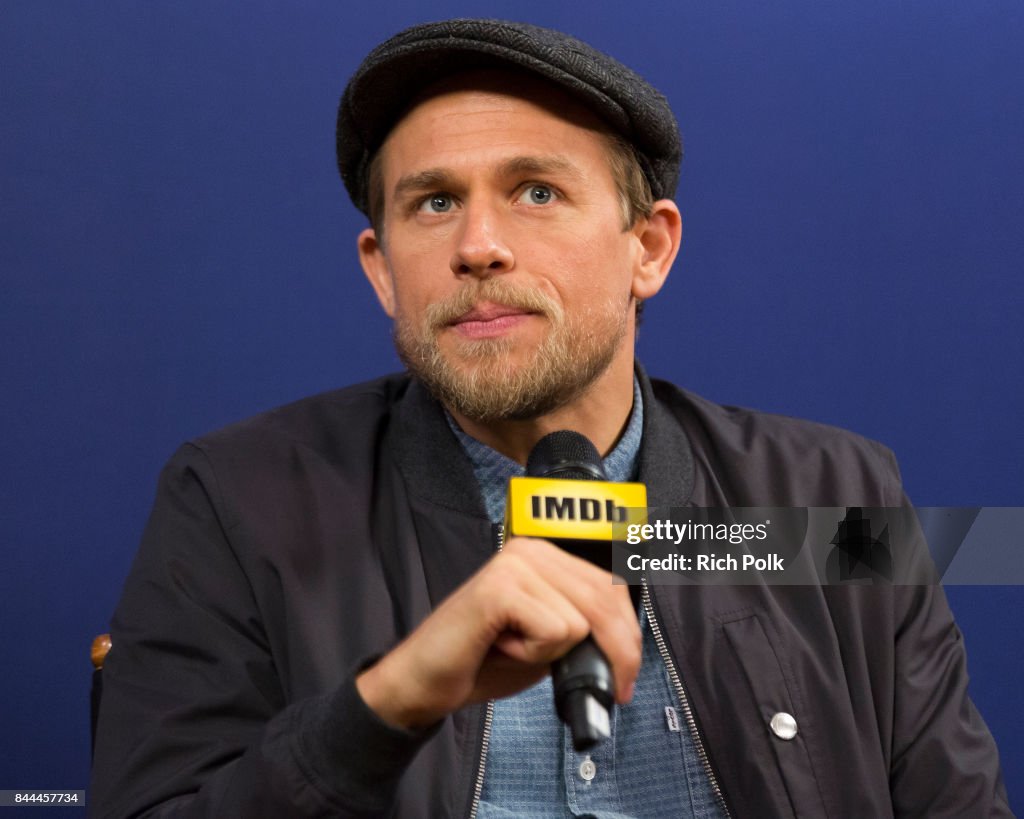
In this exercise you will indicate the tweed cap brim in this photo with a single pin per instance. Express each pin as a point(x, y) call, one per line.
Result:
point(386, 82)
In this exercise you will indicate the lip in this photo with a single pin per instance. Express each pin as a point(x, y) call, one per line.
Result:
point(490, 312)
point(486, 320)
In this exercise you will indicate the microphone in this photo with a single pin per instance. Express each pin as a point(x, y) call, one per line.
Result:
point(554, 503)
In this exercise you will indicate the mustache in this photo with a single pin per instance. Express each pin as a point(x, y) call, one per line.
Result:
point(496, 291)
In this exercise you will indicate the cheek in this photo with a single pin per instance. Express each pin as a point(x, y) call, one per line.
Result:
point(415, 281)
point(597, 267)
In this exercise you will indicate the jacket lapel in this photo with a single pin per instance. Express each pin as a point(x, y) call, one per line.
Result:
point(451, 526)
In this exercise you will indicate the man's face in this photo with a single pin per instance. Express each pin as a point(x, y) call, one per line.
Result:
point(506, 268)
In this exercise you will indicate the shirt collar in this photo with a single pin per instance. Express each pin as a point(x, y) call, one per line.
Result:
point(493, 470)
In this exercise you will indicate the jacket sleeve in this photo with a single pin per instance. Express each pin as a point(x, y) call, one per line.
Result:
point(944, 761)
point(194, 720)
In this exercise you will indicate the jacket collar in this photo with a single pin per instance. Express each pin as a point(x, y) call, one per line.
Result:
point(437, 470)
point(666, 457)
point(432, 461)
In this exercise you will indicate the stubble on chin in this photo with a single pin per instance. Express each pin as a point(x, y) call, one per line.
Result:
point(482, 379)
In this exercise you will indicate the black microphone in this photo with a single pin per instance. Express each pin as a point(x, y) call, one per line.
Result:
point(582, 679)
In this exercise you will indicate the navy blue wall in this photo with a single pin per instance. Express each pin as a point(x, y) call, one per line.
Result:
point(177, 252)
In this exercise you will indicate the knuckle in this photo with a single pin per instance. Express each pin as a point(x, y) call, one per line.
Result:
point(505, 564)
point(520, 544)
point(577, 628)
point(589, 599)
point(601, 607)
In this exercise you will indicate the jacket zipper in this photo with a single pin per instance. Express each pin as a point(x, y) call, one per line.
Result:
point(478, 787)
point(684, 702)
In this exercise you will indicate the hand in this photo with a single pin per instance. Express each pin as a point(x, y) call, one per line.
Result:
point(499, 632)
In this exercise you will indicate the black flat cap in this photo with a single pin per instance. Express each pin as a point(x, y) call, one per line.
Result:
point(394, 72)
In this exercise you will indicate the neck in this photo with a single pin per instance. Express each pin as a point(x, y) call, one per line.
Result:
point(600, 414)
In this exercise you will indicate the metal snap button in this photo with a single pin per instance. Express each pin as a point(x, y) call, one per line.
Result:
point(783, 725)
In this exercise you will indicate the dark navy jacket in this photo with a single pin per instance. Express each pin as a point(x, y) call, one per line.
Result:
point(285, 551)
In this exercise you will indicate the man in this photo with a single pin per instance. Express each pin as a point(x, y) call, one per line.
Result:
point(325, 618)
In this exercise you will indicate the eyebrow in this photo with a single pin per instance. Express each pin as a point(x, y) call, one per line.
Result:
point(431, 179)
point(441, 179)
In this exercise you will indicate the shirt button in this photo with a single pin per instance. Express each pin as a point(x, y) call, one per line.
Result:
point(588, 770)
point(783, 725)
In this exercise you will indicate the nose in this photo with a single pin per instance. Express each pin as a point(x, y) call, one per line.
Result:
point(480, 249)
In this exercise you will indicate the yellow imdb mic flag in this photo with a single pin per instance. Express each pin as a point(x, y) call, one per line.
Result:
point(558, 509)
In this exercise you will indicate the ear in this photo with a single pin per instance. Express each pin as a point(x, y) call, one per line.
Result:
point(659, 236)
point(375, 266)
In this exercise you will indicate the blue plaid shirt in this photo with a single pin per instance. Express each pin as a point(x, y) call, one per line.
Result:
point(648, 767)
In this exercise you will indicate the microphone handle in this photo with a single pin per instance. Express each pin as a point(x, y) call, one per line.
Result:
point(584, 693)
point(582, 678)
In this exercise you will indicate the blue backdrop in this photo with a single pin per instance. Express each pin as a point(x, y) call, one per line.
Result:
point(178, 252)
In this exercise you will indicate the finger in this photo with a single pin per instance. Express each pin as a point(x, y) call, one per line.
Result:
point(533, 620)
point(540, 636)
point(605, 605)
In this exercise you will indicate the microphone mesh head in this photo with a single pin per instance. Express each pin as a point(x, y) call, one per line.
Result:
point(565, 454)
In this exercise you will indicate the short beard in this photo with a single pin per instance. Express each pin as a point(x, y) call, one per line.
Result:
point(479, 380)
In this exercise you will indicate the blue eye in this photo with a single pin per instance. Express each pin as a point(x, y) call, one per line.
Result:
point(537, 195)
point(437, 203)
